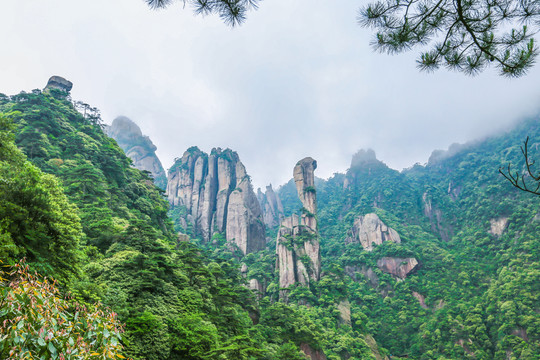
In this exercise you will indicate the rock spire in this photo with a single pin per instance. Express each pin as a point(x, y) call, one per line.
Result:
point(138, 147)
point(297, 247)
point(271, 206)
point(213, 194)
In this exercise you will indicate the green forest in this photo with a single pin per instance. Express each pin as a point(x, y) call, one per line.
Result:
point(94, 266)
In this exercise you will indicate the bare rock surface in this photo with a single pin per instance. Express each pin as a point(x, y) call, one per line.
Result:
point(497, 226)
point(215, 194)
point(398, 267)
point(304, 178)
point(438, 222)
point(138, 148)
point(58, 82)
point(369, 230)
point(271, 206)
point(297, 245)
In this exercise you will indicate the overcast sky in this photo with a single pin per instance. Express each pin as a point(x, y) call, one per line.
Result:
point(297, 79)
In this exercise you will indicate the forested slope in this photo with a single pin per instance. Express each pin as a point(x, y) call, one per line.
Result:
point(175, 302)
point(474, 293)
point(451, 270)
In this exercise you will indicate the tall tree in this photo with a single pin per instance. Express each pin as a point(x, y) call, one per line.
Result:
point(464, 35)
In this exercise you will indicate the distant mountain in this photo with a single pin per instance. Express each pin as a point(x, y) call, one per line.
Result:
point(138, 147)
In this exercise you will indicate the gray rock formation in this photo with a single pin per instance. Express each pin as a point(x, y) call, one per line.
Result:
point(58, 82)
point(398, 267)
point(215, 195)
point(138, 148)
point(271, 207)
point(369, 230)
point(297, 247)
point(304, 178)
point(497, 226)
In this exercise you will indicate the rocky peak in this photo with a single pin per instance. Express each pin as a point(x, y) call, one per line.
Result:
point(364, 164)
point(216, 195)
point(138, 148)
point(304, 178)
point(369, 230)
point(363, 157)
point(271, 206)
point(297, 245)
point(58, 82)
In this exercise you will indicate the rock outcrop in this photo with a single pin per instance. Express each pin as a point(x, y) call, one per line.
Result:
point(369, 230)
point(398, 267)
point(497, 226)
point(59, 83)
point(271, 207)
point(311, 353)
point(299, 259)
point(138, 148)
point(215, 195)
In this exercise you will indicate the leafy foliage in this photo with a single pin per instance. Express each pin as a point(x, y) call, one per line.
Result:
point(38, 323)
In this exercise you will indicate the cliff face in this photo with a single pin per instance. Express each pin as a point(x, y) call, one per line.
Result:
point(271, 207)
point(297, 245)
point(138, 148)
point(369, 230)
point(398, 267)
point(217, 196)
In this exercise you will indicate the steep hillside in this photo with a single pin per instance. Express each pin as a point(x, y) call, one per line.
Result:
point(175, 301)
point(467, 238)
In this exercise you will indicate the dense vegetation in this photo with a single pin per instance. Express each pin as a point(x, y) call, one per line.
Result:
point(76, 209)
point(109, 239)
point(480, 288)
